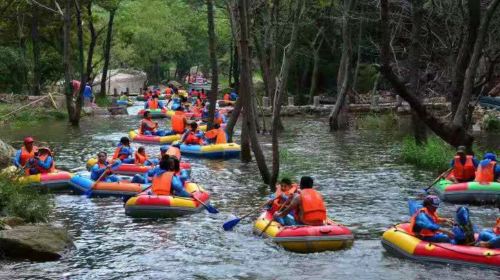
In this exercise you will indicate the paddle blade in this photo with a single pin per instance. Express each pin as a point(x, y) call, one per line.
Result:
point(211, 209)
point(229, 225)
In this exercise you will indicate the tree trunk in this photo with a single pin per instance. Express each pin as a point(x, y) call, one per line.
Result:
point(93, 41)
point(107, 52)
point(314, 76)
point(343, 77)
point(280, 88)
point(212, 46)
point(419, 128)
point(463, 58)
point(246, 94)
point(75, 118)
point(67, 58)
point(358, 60)
point(35, 39)
point(231, 123)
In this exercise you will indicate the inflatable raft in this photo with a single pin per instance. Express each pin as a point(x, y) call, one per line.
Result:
point(155, 114)
point(142, 98)
point(399, 241)
point(132, 169)
point(213, 151)
point(304, 239)
point(51, 181)
point(164, 206)
point(469, 192)
point(125, 103)
point(82, 184)
point(153, 139)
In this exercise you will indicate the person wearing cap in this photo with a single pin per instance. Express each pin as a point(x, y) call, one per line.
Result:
point(308, 205)
point(425, 223)
point(102, 166)
point(490, 238)
point(488, 170)
point(26, 154)
point(463, 166)
point(124, 152)
point(43, 162)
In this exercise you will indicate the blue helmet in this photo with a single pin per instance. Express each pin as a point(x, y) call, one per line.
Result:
point(490, 156)
point(432, 200)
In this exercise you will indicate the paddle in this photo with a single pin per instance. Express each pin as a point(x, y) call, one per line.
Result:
point(209, 207)
point(229, 225)
point(438, 178)
point(272, 218)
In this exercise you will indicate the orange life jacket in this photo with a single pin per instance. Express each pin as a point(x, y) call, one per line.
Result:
point(139, 158)
point(192, 139)
point(278, 201)
point(174, 152)
point(168, 91)
point(117, 155)
point(162, 184)
point(153, 104)
point(26, 156)
point(496, 229)
point(218, 134)
point(227, 97)
point(218, 119)
point(313, 207)
point(147, 125)
point(42, 170)
point(486, 174)
point(423, 232)
point(464, 172)
point(178, 122)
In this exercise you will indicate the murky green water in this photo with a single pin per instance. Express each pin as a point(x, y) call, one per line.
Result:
point(357, 171)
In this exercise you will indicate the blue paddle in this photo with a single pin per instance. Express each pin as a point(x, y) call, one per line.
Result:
point(210, 208)
point(229, 225)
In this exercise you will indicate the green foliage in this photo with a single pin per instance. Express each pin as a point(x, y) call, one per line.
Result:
point(492, 123)
point(103, 101)
point(366, 78)
point(31, 115)
point(377, 121)
point(12, 70)
point(23, 201)
point(434, 155)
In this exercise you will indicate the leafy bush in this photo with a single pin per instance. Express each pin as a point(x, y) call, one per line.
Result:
point(492, 123)
point(23, 201)
point(434, 155)
point(103, 101)
point(13, 68)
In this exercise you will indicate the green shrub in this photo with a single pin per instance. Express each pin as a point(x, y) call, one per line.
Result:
point(378, 121)
point(492, 123)
point(434, 155)
point(103, 101)
point(23, 201)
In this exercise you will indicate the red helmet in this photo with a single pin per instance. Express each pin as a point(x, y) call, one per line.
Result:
point(28, 140)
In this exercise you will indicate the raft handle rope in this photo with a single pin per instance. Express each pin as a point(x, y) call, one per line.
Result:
point(449, 249)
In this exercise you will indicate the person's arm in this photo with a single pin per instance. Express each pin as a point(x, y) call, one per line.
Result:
point(96, 172)
point(45, 164)
point(17, 159)
point(293, 205)
point(423, 221)
point(178, 187)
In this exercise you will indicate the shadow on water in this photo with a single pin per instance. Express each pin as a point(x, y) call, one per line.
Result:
point(357, 171)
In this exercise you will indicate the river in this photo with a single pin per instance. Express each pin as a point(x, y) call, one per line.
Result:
point(358, 172)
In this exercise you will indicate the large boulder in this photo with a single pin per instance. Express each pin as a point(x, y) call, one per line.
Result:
point(7, 152)
point(35, 242)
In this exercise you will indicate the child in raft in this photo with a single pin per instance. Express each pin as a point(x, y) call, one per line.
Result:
point(284, 192)
point(102, 166)
point(123, 151)
point(167, 182)
point(141, 158)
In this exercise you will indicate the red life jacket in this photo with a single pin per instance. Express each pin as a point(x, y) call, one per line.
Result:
point(227, 97)
point(162, 184)
point(116, 154)
point(313, 210)
point(423, 232)
point(168, 92)
point(153, 104)
point(464, 172)
point(178, 122)
point(218, 134)
point(139, 158)
point(486, 174)
point(174, 152)
point(147, 125)
point(26, 156)
point(192, 139)
point(42, 170)
point(278, 201)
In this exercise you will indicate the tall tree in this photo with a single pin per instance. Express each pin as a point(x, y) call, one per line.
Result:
point(35, 41)
point(111, 7)
point(212, 46)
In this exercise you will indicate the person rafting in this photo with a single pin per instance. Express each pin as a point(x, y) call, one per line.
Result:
point(168, 92)
point(166, 182)
point(488, 170)
point(100, 167)
point(141, 158)
point(179, 122)
point(424, 224)
point(153, 103)
point(490, 238)
point(463, 166)
point(217, 135)
point(227, 98)
point(174, 151)
point(43, 162)
point(148, 127)
point(308, 205)
point(284, 193)
point(123, 151)
point(24, 156)
point(193, 136)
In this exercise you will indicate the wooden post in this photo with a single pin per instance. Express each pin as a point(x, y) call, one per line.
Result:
point(127, 91)
point(290, 101)
point(316, 101)
point(265, 102)
point(115, 91)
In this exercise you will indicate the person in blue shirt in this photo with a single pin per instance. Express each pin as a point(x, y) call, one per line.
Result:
point(490, 238)
point(234, 95)
point(177, 186)
point(464, 166)
point(488, 170)
point(100, 167)
point(425, 223)
point(124, 151)
point(88, 97)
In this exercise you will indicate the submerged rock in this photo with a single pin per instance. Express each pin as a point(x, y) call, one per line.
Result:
point(35, 242)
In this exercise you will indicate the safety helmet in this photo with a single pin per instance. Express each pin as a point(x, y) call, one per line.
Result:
point(432, 200)
point(28, 140)
point(490, 156)
point(163, 148)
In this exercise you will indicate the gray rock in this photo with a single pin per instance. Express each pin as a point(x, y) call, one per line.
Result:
point(7, 152)
point(35, 242)
point(13, 221)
